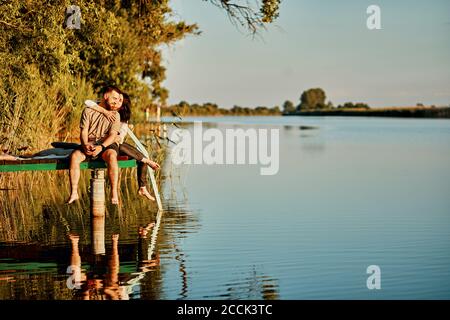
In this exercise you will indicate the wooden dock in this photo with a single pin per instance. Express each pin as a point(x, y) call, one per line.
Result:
point(58, 164)
point(97, 182)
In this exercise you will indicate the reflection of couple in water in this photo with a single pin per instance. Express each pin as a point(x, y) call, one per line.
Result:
point(104, 127)
point(110, 287)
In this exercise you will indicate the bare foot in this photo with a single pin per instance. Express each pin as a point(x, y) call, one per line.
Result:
point(143, 231)
point(5, 156)
point(74, 237)
point(114, 198)
point(73, 197)
point(151, 163)
point(143, 192)
point(149, 226)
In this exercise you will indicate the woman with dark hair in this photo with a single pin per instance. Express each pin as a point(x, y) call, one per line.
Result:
point(126, 148)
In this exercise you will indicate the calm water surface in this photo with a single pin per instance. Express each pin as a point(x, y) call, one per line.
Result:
point(350, 193)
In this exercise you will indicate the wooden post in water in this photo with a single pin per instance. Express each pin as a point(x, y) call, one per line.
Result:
point(158, 113)
point(97, 197)
point(97, 192)
point(164, 135)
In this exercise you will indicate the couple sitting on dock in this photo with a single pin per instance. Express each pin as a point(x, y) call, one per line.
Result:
point(103, 130)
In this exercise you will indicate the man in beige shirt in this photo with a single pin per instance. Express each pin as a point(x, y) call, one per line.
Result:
point(98, 136)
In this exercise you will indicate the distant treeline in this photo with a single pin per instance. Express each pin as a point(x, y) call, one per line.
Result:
point(313, 103)
point(184, 109)
point(310, 100)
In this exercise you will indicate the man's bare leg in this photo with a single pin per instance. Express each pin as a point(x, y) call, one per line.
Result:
point(76, 158)
point(110, 157)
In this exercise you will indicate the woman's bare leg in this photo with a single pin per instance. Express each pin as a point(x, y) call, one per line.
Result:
point(144, 193)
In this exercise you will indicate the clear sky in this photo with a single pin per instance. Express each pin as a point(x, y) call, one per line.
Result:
point(314, 43)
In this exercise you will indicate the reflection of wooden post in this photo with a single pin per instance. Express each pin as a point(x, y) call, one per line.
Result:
point(98, 234)
point(158, 129)
point(97, 195)
point(164, 133)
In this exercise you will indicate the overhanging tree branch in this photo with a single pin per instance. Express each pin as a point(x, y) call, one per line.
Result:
point(242, 13)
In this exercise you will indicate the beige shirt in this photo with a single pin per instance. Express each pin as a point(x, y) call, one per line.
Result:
point(99, 127)
point(123, 131)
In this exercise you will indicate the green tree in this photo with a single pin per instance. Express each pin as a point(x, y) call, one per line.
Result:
point(288, 106)
point(118, 43)
point(312, 99)
point(275, 110)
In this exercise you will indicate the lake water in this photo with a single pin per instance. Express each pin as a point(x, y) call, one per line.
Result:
point(350, 193)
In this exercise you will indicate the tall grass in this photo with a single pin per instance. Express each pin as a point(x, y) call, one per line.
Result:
point(32, 207)
point(33, 113)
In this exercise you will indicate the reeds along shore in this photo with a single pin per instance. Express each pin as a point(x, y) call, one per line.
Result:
point(413, 112)
point(31, 212)
point(32, 115)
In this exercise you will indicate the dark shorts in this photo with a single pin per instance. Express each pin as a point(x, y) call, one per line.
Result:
point(112, 146)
